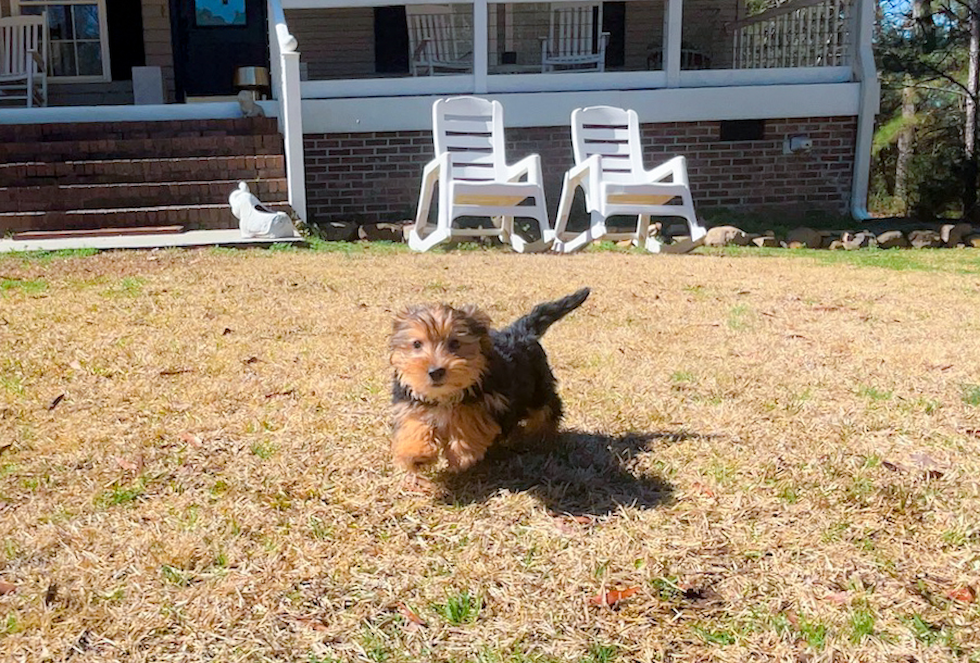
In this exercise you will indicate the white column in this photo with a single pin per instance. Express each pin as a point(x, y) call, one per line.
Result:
point(291, 108)
point(672, 39)
point(481, 46)
point(863, 64)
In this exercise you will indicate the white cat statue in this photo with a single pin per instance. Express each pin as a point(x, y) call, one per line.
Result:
point(257, 220)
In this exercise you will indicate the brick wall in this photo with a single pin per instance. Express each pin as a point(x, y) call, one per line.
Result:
point(376, 176)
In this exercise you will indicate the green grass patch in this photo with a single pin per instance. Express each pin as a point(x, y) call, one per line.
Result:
point(720, 637)
point(119, 494)
point(459, 609)
point(971, 394)
point(874, 394)
point(26, 286)
point(862, 625)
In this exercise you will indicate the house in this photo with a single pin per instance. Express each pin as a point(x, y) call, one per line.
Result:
point(773, 110)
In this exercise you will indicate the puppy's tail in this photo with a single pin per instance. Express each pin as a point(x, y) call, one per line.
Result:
point(536, 322)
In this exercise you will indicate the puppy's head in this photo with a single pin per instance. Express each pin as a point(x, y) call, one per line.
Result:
point(438, 351)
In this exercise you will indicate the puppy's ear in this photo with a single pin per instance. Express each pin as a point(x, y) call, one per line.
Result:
point(399, 325)
point(479, 321)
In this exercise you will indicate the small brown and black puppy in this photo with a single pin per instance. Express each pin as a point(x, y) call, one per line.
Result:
point(460, 386)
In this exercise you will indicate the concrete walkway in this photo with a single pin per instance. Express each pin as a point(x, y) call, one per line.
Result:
point(192, 238)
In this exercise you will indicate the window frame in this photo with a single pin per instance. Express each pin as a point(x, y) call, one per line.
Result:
point(17, 5)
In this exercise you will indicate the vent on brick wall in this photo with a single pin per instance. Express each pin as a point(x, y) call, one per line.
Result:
point(735, 130)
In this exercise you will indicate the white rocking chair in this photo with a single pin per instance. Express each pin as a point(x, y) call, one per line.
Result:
point(474, 180)
point(609, 168)
point(24, 59)
point(435, 46)
point(575, 39)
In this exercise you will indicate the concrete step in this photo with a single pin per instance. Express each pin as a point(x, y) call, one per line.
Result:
point(95, 131)
point(139, 148)
point(130, 195)
point(111, 171)
point(191, 217)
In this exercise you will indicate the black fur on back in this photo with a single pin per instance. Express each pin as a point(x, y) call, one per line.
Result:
point(518, 367)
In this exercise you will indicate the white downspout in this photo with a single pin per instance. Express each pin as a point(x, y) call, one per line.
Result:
point(864, 71)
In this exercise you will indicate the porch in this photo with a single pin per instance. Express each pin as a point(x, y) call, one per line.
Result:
point(707, 78)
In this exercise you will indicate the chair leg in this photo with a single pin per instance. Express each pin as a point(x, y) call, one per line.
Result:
point(547, 234)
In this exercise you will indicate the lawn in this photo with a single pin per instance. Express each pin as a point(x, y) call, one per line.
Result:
point(770, 456)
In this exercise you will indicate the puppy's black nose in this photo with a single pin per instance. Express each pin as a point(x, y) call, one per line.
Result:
point(437, 374)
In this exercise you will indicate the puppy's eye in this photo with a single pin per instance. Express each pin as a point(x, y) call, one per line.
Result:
point(416, 344)
point(453, 345)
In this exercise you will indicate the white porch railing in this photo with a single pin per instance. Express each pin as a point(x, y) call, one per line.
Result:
point(286, 88)
point(800, 33)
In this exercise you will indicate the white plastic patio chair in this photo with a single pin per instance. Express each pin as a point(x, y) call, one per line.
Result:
point(575, 39)
point(474, 180)
point(24, 59)
point(435, 46)
point(609, 168)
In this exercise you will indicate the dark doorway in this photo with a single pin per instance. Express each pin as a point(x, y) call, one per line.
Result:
point(614, 22)
point(390, 40)
point(125, 25)
point(212, 38)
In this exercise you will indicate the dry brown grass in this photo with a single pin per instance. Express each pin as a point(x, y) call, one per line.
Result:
point(781, 455)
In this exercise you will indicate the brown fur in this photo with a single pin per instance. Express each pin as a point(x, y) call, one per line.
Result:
point(459, 386)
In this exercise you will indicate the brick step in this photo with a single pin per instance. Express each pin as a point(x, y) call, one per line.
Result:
point(191, 217)
point(130, 195)
point(161, 130)
point(139, 148)
point(110, 171)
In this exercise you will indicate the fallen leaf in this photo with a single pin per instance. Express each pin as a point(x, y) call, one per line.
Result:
point(613, 596)
point(792, 618)
point(54, 403)
point(192, 439)
point(924, 460)
point(965, 594)
point(51, 594)
point(6, 446)
point(838, 598)
point(410, 616)
point(250, 360)
point(129, 465)
point(7, 588)
point(312, 623)
point(894, 467)
point(75, 364)
point(699, 487)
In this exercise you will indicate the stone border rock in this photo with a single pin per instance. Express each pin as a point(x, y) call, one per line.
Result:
point(924, 236)
point(945, 235)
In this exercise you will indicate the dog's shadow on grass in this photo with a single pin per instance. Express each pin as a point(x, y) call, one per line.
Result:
point(580, 473)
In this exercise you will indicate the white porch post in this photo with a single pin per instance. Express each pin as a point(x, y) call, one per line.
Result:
point(672, 37)
point(291, 104)
point(481, 46)
point(863, 64)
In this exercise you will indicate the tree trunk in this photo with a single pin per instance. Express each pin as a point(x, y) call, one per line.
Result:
point(906, 142)
point(970, 125)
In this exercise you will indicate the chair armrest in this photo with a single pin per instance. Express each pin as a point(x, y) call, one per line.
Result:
point(38, 60)
point(435, 169)
point(676, 167)
point(591, 168)
point(420, 50)
point(530, 166)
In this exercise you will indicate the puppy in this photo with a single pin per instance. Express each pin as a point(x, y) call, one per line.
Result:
point(460, 386)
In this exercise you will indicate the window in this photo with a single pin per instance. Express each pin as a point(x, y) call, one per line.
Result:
point(79, 49)
point(738, 130)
